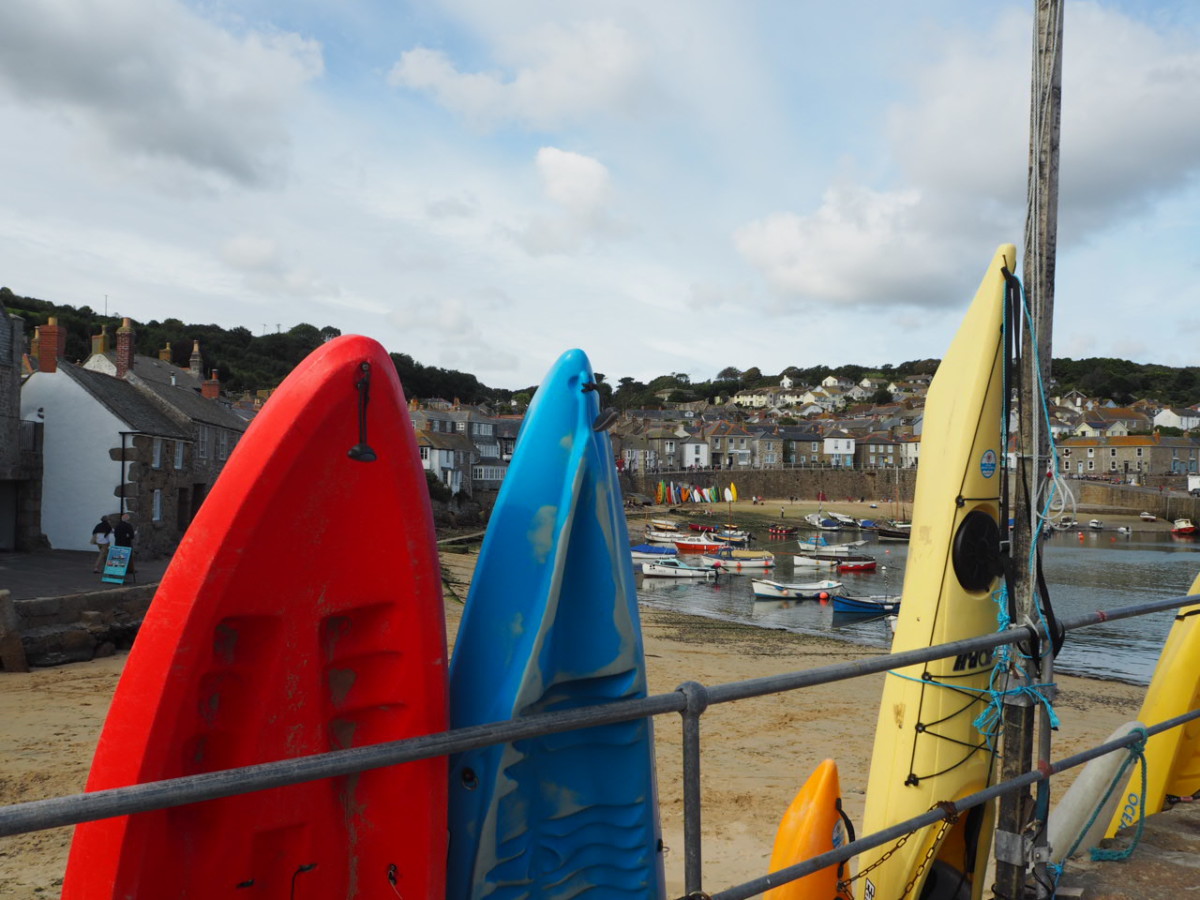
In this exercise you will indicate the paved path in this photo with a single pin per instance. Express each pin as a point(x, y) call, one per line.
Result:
point(58, 573)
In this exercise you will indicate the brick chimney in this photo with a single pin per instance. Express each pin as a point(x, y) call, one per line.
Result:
point(211, 389)
point(124, 348)
point(165, 353)
point(101, 343)
point(195, 363)
point(51, 344)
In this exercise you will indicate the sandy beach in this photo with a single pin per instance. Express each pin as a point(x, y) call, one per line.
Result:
point(756, 753)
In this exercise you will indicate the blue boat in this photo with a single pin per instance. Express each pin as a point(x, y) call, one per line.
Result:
point(551, 623)
point(867, 606)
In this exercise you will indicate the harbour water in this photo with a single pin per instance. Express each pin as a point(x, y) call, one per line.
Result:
point(1085, 572)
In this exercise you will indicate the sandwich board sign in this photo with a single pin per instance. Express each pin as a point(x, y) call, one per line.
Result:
point(117, 564)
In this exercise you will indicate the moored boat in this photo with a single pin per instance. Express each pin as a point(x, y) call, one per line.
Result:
point(877, 605)
point(843, 562)
point(1183, 526)
point(673, 568)
point(696, 526)
point(1095, 525)
point(820, 545)
point(803, 590)
point(1148, 517)
point(731, 558)
point(651, 552)
point(782, 530)
point(822, 522)
point(664, 524)
point(697, 544)
point(655, 536)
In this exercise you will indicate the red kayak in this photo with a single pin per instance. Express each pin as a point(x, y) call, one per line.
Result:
point(302, 613)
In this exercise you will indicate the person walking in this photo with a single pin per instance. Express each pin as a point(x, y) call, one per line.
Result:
point(123, 535)
point(101, 537)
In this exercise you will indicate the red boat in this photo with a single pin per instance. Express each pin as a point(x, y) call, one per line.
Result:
point(1183, 526)
point(783, 530)
point(698, 544)
point(696, 526)
point(857, 564)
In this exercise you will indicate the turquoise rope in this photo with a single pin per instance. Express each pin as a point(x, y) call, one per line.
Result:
point(1137, 750)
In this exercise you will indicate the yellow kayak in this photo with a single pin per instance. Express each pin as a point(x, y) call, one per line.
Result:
point(927, 748)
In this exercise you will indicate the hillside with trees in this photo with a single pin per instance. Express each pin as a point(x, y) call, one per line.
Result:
point(249, 362)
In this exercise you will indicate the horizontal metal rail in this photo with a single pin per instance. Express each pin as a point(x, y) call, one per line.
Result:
point(691, 699)
point(846, 851)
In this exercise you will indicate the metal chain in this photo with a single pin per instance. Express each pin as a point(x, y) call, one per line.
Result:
point(845, 884)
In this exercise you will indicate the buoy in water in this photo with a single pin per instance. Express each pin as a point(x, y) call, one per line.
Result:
point(823, 596)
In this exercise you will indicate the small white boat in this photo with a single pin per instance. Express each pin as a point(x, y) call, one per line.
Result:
point(822, 522)
point(664, 524)
point(1125, 530)
point(1066, 523)
point(779, 590)
point(673, 568)
point(1183, 526)
point(1148, 517)
point(844, 520)
point(655, 536)
point(651, 552)
point(1095, 525)
point(729, 558)
point(820, 545)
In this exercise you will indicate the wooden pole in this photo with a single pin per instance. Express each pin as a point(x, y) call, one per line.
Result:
point(1014, 851)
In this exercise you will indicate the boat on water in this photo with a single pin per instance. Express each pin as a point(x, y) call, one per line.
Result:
point(651, 552)
point(893, 532)
point(843, 562)
point(1066, 523)
point(802, 590)
point(673, 568)
point(731, 537)
point(1095, 525)
point(844, 520)
point(820, 545)
point(875, 605)
point(782, 530)
point(1125, 530)
point(1183, 526)
point(733, 558)
point(697, 544)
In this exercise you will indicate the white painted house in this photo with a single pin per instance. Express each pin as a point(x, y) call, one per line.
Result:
point(93, 427)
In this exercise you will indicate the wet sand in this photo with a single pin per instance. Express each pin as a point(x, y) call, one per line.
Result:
point(756, 753)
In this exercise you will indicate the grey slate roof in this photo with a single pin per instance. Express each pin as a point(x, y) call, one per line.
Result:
point(192, 406)
point(126, 402)
point(153, 369)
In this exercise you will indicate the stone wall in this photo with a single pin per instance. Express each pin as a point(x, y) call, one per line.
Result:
point(79, 627)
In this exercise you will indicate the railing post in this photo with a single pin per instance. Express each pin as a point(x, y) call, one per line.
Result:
point(697, 702)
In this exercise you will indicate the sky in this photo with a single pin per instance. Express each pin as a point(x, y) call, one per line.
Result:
point(675, 186)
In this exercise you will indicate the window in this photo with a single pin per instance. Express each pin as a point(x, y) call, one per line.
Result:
point(179, 454)
point(1091, 465)
point(1091, 452)
point(488, 473)
point(157, 446)
point(815, 446)
point(670, 446)
point(202, 442)
point(716, 443)
point(1112, 451)
point(425, 453)
point(156, 513)
point(1112, 465)
point(222, 444)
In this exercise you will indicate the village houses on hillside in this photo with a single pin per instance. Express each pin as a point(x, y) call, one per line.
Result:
point(123, 432)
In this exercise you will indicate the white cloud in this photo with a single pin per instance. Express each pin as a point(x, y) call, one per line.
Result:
point(860, 248)
point(561, 73)
point(577, 182)
point(151, 80)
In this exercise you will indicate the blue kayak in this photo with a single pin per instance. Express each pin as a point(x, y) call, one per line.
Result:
point(551, 623)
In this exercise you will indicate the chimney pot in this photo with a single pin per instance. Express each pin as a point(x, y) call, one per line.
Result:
point(125, 336)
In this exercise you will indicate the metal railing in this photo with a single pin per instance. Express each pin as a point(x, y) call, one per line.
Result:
point(690, 700)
